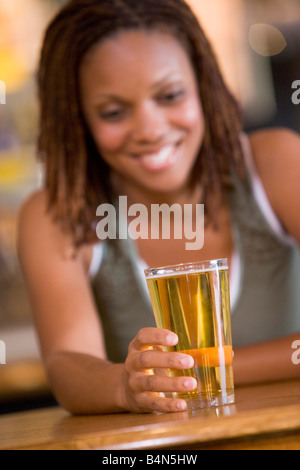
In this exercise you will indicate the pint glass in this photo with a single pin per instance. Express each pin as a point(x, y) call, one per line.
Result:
point(192, 300)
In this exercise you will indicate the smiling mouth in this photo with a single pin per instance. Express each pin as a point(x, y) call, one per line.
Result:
point(165, 157)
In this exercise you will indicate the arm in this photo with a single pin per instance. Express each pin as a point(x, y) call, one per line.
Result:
point(85, 384)
point(277, 158)
point(69, 329)
point(266, 362)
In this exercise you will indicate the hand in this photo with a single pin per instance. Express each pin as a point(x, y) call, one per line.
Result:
point(146, 376)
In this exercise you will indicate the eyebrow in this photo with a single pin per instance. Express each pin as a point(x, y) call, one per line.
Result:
point(156, 85)
point(166, 78)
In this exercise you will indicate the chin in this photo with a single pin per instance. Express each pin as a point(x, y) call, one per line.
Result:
point(169, 187)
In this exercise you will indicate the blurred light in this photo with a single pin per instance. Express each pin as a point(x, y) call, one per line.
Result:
point(13, 70)
point(266, 40)
point(224, 24)
point(14, 168)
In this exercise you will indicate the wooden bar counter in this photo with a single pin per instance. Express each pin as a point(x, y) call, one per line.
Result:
point(264, 417)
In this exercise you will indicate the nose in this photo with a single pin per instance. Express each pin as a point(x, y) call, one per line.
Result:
point(149, 124)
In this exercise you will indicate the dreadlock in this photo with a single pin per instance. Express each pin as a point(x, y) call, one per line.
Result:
point(77, 179)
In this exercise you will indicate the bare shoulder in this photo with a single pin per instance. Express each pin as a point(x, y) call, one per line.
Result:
point(32, 220)
point(276, 144)
point(33, 206)
point(35, 225)
point(276, 153)
point(58, 284)
point(37, 231)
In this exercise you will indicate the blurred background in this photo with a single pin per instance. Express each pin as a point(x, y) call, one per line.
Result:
point(257, 43)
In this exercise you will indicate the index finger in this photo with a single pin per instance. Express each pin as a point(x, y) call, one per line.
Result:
point(147, 337)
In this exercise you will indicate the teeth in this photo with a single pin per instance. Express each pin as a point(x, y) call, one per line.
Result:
point(160, 157)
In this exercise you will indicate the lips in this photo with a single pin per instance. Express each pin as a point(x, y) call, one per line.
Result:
point(162, 159)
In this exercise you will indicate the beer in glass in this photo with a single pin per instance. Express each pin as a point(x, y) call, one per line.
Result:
point(193, 301)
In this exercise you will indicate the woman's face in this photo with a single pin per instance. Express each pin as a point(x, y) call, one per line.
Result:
point(141, 102)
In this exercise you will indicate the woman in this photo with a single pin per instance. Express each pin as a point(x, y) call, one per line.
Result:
point(133, 104)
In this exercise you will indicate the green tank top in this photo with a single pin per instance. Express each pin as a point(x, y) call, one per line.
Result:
point(268, 300)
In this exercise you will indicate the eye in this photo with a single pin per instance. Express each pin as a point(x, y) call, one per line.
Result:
point(112, 114)
point(171, 97)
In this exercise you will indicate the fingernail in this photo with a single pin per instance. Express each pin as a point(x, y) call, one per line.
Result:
point(172, 339)
point(190, 384)
point(187, 362)
point(181, 406)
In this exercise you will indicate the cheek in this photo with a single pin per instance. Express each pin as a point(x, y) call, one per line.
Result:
point(190, 117)
point(109, 139)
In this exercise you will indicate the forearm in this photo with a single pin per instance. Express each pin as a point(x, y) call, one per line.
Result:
point(84, 384)
point(266, 362)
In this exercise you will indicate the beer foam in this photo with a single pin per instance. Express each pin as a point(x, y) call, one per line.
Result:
point(172, 273)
